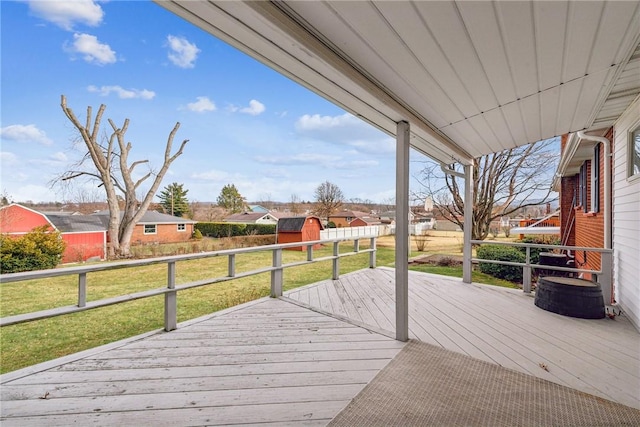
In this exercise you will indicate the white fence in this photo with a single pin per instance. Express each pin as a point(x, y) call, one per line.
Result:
point(339, 233)
point(414, 229)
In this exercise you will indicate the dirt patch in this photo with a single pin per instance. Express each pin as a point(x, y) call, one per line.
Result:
point(437, 259)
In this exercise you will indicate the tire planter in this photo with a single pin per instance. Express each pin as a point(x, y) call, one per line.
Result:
point(570, 297)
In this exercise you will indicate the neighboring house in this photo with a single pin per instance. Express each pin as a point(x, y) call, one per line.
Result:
point(299, 229)
point(345, 219)
point(252, 218)
point(258, 209)
point(593, 168)
point(85, 236)
point(156, 227)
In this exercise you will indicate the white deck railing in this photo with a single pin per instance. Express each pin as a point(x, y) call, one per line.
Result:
point(604, 275)
point(170, 292)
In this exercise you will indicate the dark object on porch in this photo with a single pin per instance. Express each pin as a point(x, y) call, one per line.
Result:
point(570, 297)
point(554, 260)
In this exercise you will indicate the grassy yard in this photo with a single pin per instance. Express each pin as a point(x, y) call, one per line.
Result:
point(34, 342)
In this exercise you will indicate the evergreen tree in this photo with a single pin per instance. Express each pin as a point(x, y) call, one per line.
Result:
point(174, 200)
point(231, 199)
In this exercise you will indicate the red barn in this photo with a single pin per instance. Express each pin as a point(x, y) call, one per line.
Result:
point(299, 229)
point(84, 235)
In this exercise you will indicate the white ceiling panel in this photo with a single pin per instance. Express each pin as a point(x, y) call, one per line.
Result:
point(471, 77)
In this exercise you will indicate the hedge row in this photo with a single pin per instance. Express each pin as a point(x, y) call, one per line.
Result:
point(226, 229)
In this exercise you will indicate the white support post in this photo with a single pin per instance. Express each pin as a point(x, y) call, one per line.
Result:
point(372, 254)
point(276, 274)
point(402, 231)
point(232, 265)
point(336, 261)
point(468, 223)
point(171, 300)
point(82, 289)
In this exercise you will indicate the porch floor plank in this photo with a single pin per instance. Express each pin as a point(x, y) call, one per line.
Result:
point(503, 326)
point(271, 362)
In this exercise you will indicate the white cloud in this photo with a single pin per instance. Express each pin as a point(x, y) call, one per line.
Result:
point(91, 49)
point(254, 108)
point(299, 159)
point(212, 175)
point(25, 133)
point(59, 156)
point(182, 53)
point(122, 93)
point(201, 105)
point(66, 13)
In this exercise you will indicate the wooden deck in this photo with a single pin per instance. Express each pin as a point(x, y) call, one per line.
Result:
point(286, 362)
point(498, 325)
point(265, 362)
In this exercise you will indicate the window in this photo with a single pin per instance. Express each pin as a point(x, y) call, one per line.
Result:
point(595, 180)
point(634, 152)
point(182, 227)
point(149, 229)
point(582, 187)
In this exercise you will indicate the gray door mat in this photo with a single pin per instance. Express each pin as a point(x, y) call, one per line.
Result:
point(425, 385)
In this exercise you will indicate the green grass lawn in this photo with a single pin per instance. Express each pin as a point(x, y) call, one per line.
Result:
point(34, 342)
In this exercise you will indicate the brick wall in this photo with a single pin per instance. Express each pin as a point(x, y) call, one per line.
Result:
point(165, 233)
point(589, 226)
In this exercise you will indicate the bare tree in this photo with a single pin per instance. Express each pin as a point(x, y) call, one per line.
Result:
point(294, 204)
point(329, 198)
point(503, 183)
point(106, 161)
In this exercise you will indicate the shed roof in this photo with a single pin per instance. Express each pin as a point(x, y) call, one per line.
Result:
point(76, 223)
point(295, 223)
point(152, 217)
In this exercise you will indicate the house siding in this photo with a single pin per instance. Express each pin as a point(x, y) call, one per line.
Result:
point(626, 219)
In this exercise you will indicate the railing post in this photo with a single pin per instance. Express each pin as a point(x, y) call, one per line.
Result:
point(526, 272)
point(82, 289)
point(605, 279)
point(372, 254)
point(276, 274)
point(356, 245)
point(171, 299)
point(232, 265)
point(309, 252)
point(336, 261)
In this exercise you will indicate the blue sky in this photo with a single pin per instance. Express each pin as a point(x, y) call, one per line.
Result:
point(246, 124)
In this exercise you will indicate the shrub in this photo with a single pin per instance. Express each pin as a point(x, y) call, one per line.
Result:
point(197, 234)
point(37, 250)
point(538, 240)
point(501, 253)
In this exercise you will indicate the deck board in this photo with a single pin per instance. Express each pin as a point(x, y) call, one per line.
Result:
point(504, 327)
point(275, 362)
point(271, 362)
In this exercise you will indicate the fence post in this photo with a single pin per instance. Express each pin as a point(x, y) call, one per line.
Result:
point(309, 252)
point(606, 266)
point(356, 245)
point(372, 254)
point(82, 289)
point(336, 261)
point(170, 299)
point(232, 265)
point(526, 273)
point(276, 274)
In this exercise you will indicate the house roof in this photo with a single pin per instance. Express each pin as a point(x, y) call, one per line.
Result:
point(66, 223)
point(350, 214)
point(249, 217)
point(294, 223)
point(470, 77)
point(152, 217)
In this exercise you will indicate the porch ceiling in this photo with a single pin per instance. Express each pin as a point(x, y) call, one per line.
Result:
point(472, 77)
